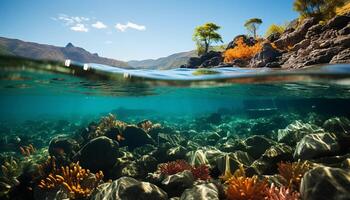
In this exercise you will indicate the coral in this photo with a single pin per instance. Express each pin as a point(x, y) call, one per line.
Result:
point(71, 178)
point(282, 193)
point(146, 125)
point(27, 150)
point(106, 124)
point(10, 170)
point(174, 167)
point(293, 173)
point(242, 51)
point(200, 172)
point(242, 188)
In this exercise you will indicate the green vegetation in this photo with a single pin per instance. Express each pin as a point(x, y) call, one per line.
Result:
point(205, 35)
point(199, 72)
point(275, 28)
point(252, 25)
point(322, 9)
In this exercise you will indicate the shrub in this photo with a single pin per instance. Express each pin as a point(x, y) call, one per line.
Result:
point(274, 28)
point(343, 10)
point(322, 9)
point(242, 51)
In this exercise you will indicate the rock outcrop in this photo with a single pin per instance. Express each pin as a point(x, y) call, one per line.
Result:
point(129, 189)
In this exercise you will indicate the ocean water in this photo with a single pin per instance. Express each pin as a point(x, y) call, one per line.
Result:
point(40, 100)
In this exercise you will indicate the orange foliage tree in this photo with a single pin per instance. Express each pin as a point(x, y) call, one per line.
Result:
point(242, 51)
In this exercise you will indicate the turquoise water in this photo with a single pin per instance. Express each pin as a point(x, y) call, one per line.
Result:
point(41, 100)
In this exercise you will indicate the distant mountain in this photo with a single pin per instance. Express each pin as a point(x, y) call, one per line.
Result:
point(172, 61)
point(48, 52)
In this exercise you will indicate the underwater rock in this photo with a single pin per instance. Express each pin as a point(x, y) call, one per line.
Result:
point(326, 183)
point(316, 145)
point(125, 165)
point(146, 164)
point(127, 188)
point(63, 149)
point(332, 161)
point(213, 138)
point(207, 191)
point(267, 163)
point(337, 125)
point(177, 153)
point(99, 154)
point(173, 139)
point(294, 132)
point(256, 145)
point(175, 184)
point(232, 161)
point(135, 137)
point(204, 156)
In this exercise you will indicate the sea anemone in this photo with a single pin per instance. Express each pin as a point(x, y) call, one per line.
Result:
point(201, 172)
point(174, 167)
point(293, 173)
point(243, 188)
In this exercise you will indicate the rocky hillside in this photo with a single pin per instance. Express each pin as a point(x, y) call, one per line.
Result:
point(48, 52)
point(302, 44)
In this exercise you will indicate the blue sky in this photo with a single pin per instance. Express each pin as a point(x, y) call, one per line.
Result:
point(133, 29)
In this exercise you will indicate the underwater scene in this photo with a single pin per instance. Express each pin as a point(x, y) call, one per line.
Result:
point(99, 132)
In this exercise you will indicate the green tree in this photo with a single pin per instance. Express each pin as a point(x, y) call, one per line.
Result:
point(205, 35)
point(275, 28)
point(322, 9)
point(252, 25)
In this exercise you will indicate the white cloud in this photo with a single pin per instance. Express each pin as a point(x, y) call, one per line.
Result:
point(99, 25)
point(124, 27)
point(75, 23)
point(79, 28)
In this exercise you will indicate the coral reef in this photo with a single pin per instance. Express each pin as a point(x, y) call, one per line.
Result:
point(199, 172)
point(72, 178)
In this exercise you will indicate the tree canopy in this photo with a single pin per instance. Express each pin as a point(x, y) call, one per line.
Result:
point(205, 35)
point(322, 9)
point(252, 25)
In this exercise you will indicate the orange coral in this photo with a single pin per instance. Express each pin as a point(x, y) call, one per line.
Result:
point(242, 50)
point(293, 172)
point(27, 150)
point(243, 188)
point(71, 178)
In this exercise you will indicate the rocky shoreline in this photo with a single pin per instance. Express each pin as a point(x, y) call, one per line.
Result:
point(303, 44)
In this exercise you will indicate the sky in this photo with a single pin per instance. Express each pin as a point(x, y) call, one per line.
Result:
point(133, 29)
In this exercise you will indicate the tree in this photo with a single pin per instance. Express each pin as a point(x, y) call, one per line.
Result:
point(274, 28)
point(205, 35)
point(252, 25)
point(321, 9)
